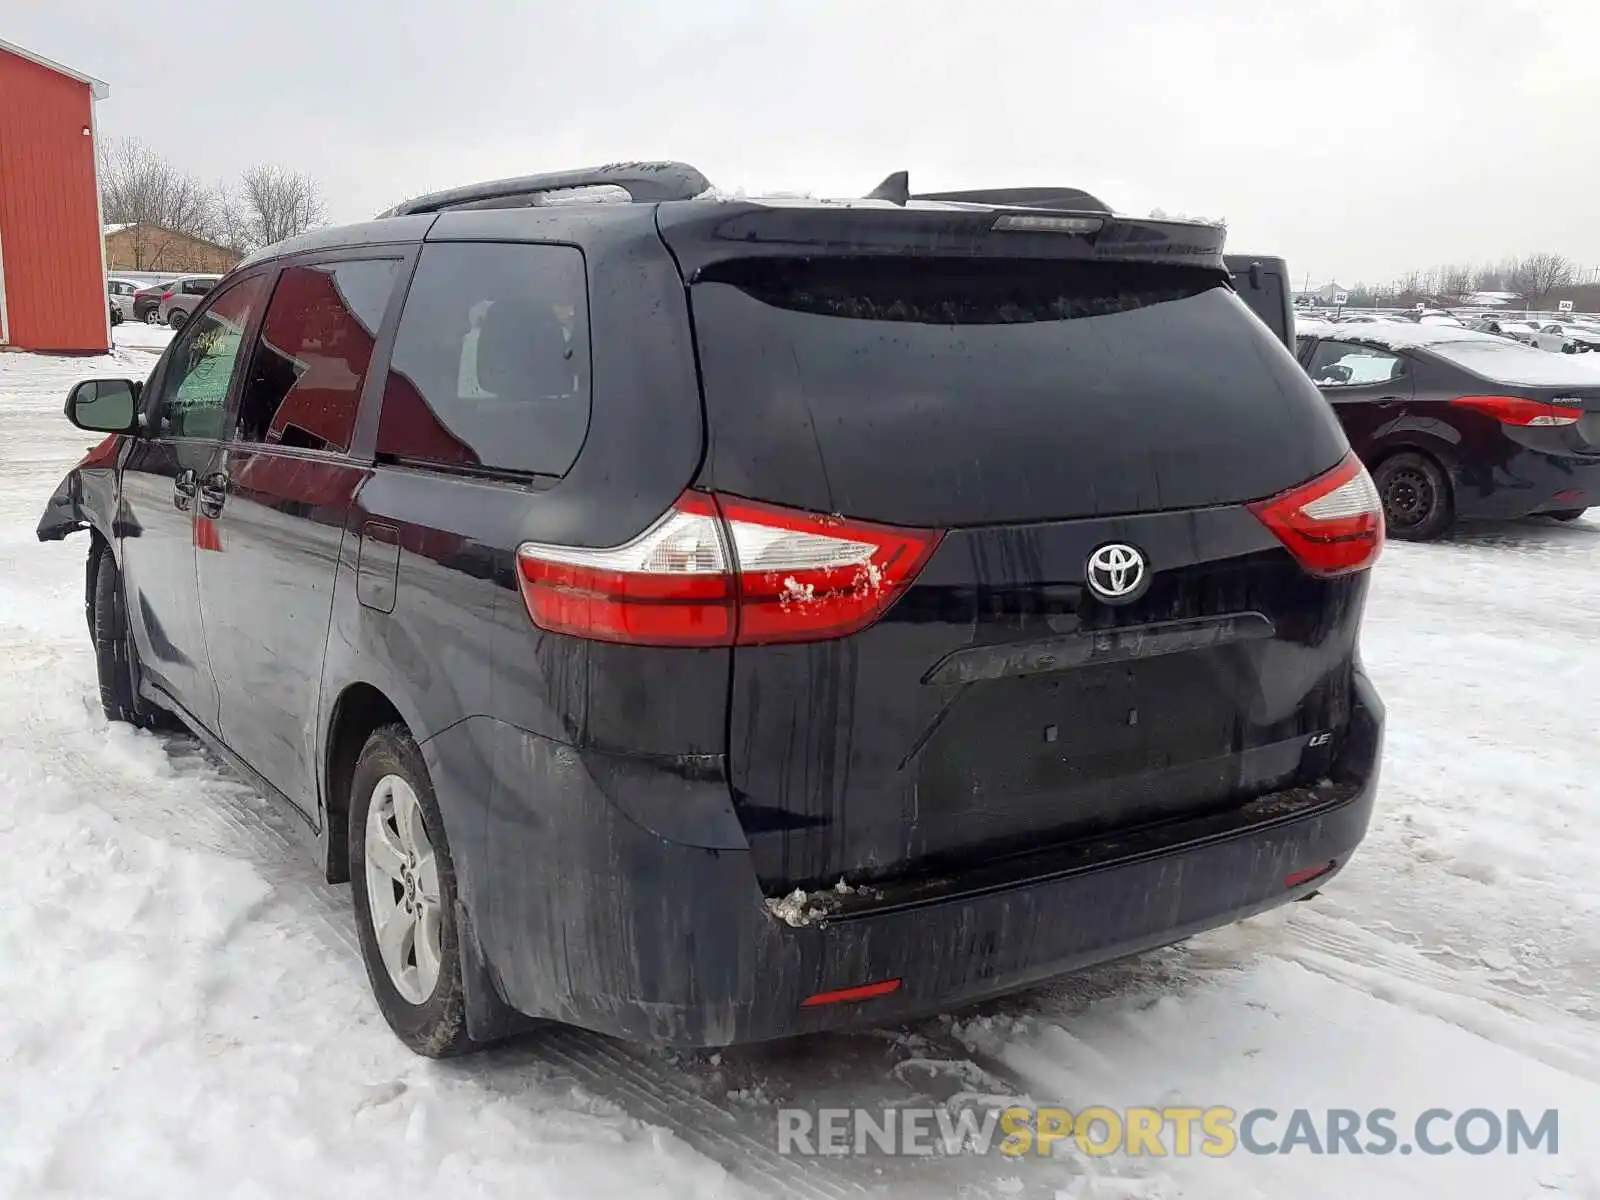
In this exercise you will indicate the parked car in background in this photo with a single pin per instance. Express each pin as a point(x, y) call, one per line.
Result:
point(1568, 337)
point(1263, 284)
point(121, 293)
point(147, 302)
point(1521, 331)
point(1456, 424)
point(182, 297)
point(665, 636)
point(114, 314)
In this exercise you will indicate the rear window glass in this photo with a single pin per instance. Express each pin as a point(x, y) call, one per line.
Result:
point(490, 368)
point(1339, 364)
point(961, 391)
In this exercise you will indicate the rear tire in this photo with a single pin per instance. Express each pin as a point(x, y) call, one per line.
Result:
point(152, 317)
point(403, 883)
point(1567, 514)
point(1416, 497)
point(176, 318)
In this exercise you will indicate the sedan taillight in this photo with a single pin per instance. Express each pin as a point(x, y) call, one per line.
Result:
point(1516, 410)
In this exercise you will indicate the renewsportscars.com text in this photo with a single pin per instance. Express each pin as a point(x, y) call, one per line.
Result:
point(1214, 1132)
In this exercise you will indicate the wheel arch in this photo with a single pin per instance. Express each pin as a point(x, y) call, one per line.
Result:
point(1442, 453)
point(359, 710)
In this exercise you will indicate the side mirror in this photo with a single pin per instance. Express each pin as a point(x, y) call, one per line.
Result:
point(105, 405)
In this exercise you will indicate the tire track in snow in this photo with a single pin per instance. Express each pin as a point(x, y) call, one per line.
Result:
point(167, 787)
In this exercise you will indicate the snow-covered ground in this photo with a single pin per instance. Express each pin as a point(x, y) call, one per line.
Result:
point(183, 1012)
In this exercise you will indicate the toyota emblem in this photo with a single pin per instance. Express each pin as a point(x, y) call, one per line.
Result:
point(1117, 573)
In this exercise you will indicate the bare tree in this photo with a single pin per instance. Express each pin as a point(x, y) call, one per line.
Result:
point(1536, 276)
point(1409, 287)
point(273, 203)
point(140, 187)
point(1456, 279)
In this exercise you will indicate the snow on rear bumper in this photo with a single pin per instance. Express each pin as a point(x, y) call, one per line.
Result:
point(584, 916)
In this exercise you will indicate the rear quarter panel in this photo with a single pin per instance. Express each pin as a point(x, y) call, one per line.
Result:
point(426, 605)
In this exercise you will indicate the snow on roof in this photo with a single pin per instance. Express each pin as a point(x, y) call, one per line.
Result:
point(1402, 335)
point(1516, 363)
point(98, 88)
point(110, 229)
point(1496, 358)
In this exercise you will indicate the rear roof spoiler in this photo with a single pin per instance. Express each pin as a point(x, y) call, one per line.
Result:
point(896, 189)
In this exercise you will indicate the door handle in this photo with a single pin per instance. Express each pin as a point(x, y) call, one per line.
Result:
point(184, 486)
point(213, 494)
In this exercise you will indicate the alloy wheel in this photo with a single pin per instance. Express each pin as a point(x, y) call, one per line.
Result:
point(403, 889)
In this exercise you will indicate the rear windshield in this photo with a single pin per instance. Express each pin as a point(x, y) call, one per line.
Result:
point(952, 392)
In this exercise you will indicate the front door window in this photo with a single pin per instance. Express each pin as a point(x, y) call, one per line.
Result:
point(194, 390)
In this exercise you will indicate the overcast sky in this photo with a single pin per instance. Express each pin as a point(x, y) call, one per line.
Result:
point(1358, 139)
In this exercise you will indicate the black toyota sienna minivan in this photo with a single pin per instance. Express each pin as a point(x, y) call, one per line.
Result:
point(705, 620)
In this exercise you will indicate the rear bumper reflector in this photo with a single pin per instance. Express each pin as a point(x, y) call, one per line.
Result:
point(866, 991)
point(1307, 874)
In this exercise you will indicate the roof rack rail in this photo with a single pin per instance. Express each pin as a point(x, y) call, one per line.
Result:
point(645, 182)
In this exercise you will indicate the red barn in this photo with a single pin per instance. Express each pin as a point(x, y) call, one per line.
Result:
point(52, 254)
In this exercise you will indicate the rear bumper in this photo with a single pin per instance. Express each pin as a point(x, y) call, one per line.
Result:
point(1526, 482)
point(581, 914)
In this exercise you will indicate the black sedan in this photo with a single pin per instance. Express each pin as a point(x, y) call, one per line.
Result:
point(1458, 424)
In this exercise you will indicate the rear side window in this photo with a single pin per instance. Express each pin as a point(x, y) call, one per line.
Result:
point(1339, 364)
point(304, 387)
point(198, 287)
point(490, 368)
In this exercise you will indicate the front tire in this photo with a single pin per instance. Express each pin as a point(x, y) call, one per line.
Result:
point(1416, 497)
point(113, 650)
point(404, 888)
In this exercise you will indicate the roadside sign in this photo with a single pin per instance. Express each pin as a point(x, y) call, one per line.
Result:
point(1341, 298)
point(1564, 306)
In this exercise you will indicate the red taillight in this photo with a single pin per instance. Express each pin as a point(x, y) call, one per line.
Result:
point(168, 295)
point(1332, 525)
point(721, 571)
point(1515, 410)
point(803, 577)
